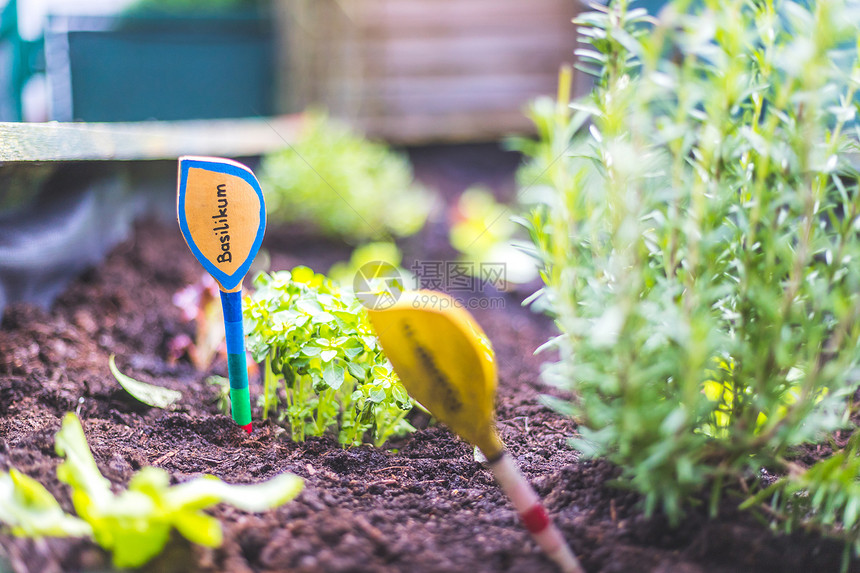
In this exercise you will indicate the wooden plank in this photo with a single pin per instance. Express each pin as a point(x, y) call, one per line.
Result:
point(475, 14)
point(144, 140)
point(550, 23)
point(394, 63)
point(433, 70)
point(451, 94)
point(413, 129)
point(473, 48)
point(417, 57)
point(440, 86)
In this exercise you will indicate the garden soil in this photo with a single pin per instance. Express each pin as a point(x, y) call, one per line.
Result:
point(420, 504)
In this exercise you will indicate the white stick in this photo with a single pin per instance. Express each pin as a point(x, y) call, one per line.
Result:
point(532, 513)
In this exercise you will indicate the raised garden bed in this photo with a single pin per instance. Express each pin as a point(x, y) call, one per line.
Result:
point(421, 504)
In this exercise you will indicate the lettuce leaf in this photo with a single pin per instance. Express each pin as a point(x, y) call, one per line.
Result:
point(136, 523)
point(31, 511)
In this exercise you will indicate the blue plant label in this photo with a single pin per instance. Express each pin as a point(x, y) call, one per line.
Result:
point(222, 216)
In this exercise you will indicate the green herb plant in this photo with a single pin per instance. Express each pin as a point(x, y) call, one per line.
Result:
point(345, 185)
point(700, 251)
point(134, 524)
point(324, 367)
point(222, 396)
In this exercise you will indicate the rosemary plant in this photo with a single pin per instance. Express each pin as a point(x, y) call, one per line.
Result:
point(701, 253)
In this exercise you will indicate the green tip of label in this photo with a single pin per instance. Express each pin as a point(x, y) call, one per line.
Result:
point(240, 404)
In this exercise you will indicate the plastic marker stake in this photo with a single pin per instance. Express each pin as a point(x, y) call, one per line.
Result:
point(446, 362)
point(222, 216)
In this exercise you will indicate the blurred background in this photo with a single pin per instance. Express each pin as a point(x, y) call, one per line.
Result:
point(406, 70)
point(393, 112)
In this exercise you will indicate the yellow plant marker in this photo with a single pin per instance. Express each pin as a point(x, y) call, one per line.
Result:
point(446, 362)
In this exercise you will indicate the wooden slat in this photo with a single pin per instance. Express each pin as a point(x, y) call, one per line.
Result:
point(440, 95)
point(144, 140)
point(549, 23)
point(413, 129)
point(468, 48)
point(418, 15)
point(394, 63)
point(442, 67)
point(417, 55)
point(440, 86)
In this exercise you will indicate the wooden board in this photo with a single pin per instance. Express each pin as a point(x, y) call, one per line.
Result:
point(145, 140)
point(415, 71)
point(460, 127)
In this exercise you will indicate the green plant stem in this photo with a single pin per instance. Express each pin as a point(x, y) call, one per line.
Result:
point(268, 375)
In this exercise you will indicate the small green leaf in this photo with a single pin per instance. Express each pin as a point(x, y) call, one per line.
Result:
point(328, 355)
point(255, 497)
point(357, 370)
point(366, 416)
point(154, 396)
point(400, 394)
point(302, 275)
point(310, 307)
point(352, 347)
point(333, 375)
point(199, 528)
point(380, 371)
point(323, 318)
point(31, 511)
point(79, 470)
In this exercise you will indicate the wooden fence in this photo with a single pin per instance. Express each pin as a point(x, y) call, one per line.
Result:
point(426, 70)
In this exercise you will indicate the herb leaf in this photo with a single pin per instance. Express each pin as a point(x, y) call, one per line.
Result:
point(155, 396)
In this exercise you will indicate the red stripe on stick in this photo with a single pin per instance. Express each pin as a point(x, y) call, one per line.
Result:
point(535, 519)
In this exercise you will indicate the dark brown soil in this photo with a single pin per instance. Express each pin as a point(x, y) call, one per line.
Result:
point(420, 504)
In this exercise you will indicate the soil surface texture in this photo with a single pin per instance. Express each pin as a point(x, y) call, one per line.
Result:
point(422, 503)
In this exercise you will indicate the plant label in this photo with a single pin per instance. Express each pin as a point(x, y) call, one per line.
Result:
point(222, 216)
point(444, 360)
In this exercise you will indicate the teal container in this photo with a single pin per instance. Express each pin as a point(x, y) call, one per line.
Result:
point(160, 68)
point(653, 6)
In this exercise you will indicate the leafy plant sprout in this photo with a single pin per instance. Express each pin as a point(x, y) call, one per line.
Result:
point(324, 367)
point(343, 184)
point(134, 524)
point(700, 251)
point(222, 389)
